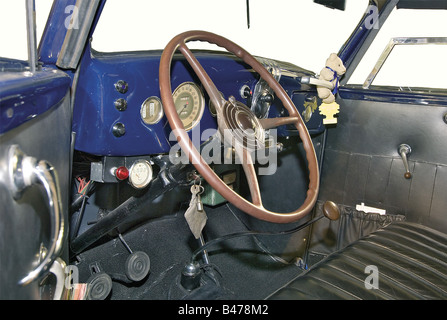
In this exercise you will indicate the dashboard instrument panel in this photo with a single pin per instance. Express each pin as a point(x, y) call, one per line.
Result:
point(113, 115)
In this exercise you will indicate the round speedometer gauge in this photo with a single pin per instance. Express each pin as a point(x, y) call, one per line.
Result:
point(189, 103)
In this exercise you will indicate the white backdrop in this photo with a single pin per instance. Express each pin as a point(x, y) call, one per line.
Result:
point(310, 32)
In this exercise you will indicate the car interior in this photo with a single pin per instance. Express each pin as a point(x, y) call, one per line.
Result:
point(199, 174)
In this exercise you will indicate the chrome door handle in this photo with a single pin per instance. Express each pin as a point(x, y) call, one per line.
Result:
point(58, 269)
point(404, 151)
point(24, 172)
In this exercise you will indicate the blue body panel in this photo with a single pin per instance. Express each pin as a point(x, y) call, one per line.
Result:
point(95, 113)
point(54, 33)
point(24, 96)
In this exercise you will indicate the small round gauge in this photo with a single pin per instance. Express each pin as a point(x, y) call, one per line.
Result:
point(151, 110)
point(140, 174)
point(189, 103)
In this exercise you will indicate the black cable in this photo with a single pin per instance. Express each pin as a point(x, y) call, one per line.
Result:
point(79, 218)
point(250, 233)
point(82, 198)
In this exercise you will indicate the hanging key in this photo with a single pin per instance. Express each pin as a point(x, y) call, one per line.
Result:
point(195, 215)
point(199, 200)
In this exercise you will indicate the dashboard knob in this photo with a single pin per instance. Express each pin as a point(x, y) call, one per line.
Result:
point(122, 86)
point(122, 173)
point(245, 92)
point(268, 98)
point(121, 105)
point(119, 130)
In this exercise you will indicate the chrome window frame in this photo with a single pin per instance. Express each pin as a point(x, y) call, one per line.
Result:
point(400, 41)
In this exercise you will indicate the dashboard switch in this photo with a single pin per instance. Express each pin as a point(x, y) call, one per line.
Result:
point(119, 130)
point(122, 86)
point(121, 105)
point(246, 92)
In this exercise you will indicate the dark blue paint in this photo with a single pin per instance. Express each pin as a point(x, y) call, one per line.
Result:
point(350, 49)
point(54, 33)
point(24, 96)
point(358, 38)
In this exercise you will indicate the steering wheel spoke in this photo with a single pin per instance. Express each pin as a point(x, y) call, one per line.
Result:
point(207, 83)
point(270, 123)
point(246, 160)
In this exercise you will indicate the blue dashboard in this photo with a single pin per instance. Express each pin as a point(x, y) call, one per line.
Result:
point(107, 114)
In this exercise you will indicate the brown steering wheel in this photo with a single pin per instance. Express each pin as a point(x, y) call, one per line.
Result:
point(241, 121)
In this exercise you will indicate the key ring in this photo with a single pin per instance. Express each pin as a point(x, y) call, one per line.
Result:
point(197, 189)
point(198, 183)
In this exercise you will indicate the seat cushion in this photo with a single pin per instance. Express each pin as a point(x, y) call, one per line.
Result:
point(402, 261)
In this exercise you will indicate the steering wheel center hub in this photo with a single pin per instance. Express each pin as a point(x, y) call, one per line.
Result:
point(242, 125)
point(245, 122)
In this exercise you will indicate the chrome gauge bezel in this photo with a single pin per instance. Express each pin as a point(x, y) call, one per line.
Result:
point(134, 178)
point(198, 104)
point(158, 115)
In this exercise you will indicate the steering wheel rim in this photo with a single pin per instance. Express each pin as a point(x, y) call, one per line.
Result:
point(254, 208)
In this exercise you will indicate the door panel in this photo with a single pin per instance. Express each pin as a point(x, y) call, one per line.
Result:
point(25, 224)
point(362, 163)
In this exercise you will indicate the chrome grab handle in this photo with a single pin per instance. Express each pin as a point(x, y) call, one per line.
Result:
point(24, 172)
point(404, 151)
point(58, 269)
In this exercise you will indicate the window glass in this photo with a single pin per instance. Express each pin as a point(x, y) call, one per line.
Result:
point(408, 65)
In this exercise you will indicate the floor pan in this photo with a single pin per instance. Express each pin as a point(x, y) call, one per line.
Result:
point(241, 267)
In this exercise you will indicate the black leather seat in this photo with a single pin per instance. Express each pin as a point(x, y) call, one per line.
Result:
point(410, 260)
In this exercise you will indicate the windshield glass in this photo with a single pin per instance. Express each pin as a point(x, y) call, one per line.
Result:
point(300, 32)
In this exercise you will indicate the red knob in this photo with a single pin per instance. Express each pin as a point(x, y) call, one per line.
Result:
point(122, 173)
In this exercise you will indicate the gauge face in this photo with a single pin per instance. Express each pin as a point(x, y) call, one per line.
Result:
point(151, 110)
point(140, 174)
point(189, 103)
